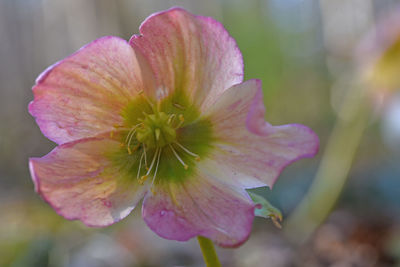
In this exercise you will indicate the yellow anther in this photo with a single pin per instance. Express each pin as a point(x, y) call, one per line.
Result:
point(143, 178)
point(197, 158)
point(111, 134)
point(130, 151)
point(181, 120)
point(185, 167)
point(152, 190)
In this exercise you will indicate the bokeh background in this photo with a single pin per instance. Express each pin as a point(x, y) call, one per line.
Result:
point(302, 50)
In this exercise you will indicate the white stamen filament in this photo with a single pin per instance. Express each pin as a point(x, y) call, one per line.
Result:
point(179, 158)
point(120, 128)
point(141, 93)
point(171, 117)
point(140, 166)
point(145, 156)
point(155, 171)
point(130, 138)
point(188, 151)
point(131, 131)
point(181, 121)
point(130, 151)
point(152, 162)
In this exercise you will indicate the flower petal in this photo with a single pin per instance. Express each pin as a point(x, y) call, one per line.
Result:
point(79, 181)
point(190, 53)
point(82, 95)
point(254, 150)
point(200, 206)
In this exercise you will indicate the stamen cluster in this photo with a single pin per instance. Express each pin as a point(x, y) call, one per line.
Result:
point(154, 133)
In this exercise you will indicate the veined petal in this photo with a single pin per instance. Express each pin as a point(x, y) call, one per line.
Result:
point(191, 53)
point(249, 147)
point(202, 206)
point(82, 95)
point(79, 181)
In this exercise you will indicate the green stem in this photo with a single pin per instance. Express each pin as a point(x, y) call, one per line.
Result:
point(334, 169)
point(209, 254)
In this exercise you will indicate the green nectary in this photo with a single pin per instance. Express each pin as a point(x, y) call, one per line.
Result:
point(162, 141)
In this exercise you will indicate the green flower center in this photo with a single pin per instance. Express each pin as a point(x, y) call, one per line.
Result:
point(156, 130)
point(161, 141)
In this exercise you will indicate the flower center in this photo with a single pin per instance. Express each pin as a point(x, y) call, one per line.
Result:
point(161, 141)
point(156, 130)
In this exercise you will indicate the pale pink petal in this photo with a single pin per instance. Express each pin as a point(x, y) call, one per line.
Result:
point(80, 182)
point(190, 53)
point(83, 95)
point(380, 39)
point(254, 151)
point(203, 206)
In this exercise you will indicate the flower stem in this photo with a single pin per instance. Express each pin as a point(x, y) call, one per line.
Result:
point(334, 168)
point(209, 254)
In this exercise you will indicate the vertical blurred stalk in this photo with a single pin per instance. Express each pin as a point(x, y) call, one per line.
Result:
point(208, 250)
point(334, 167)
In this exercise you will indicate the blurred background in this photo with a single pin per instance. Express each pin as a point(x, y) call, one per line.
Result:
point(302, 50)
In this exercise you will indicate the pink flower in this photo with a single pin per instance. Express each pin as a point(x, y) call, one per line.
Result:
point(165, 117)
point(378, 56)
